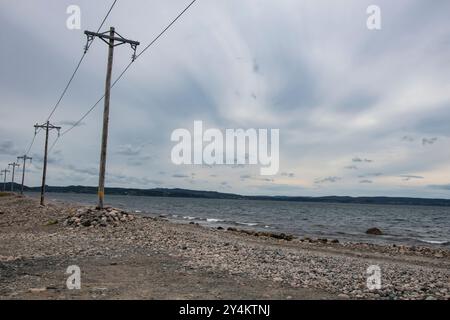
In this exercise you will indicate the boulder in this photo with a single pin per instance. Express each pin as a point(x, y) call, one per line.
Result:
point(374, 231)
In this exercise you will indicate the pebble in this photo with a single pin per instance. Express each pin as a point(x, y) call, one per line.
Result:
point(38, 290)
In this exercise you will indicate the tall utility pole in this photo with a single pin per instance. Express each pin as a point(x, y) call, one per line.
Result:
point(13, 165)
point(25, 158)
point(4, 173)
point(112, 39)
point(47, 126)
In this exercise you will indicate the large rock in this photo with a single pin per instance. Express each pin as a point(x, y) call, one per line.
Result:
point(374, 231)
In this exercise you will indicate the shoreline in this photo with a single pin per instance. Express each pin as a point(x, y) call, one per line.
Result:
point(353, 235)
point(126, 258)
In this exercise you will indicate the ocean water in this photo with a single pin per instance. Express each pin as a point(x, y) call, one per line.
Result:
point(413, 225)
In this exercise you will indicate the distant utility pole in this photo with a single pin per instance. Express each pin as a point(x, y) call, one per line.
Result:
point(4, 173)
point(47, 126)
point(13, 165)
point(112, 39)
point(25, 158)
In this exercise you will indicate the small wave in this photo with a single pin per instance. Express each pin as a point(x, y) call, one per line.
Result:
point(137, 211)
point(434, 241)
point(213, 220)
point(189, 218)
point(250, 224)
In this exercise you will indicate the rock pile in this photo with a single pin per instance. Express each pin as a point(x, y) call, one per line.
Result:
point(91, 217)
point(280, 236)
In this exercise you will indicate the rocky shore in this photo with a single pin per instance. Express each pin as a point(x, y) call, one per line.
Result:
point(122, 255)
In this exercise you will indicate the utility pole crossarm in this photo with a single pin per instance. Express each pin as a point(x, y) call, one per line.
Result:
point(117, 38)
point(112, 39)
point(47, 125)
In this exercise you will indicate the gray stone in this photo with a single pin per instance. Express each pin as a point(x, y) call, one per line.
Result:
point(374, 231)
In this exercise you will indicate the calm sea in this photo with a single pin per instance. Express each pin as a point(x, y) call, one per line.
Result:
point(414, 225)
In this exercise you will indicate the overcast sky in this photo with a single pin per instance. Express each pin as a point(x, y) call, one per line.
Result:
point(360, 112)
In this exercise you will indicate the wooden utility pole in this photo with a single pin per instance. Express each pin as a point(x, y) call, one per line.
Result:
point(13, 165)
point(47, 126)
point(112, 39)
point(101, 179)
point(4, 173)
point(25, 158)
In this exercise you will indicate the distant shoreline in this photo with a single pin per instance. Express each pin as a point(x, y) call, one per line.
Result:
point(186, 193)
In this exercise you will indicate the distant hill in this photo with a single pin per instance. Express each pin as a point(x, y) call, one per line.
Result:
point(185, 193)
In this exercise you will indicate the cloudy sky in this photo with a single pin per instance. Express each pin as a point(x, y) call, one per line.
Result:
point(360, 112)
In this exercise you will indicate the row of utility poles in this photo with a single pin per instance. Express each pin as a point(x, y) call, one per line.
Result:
point(14, 165)
point(47, 128)
point(112, 39)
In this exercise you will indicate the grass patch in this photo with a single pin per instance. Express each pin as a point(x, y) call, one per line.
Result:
point(51, 222)
point(4, 194)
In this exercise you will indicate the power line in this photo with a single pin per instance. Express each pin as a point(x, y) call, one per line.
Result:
point(79, 64)
point(107, 15)
point(53, 144)
point(88, 45)
point(128, 67)
point(164, 31)
point(85, 115)
point(32, 141)
point(67, 86)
